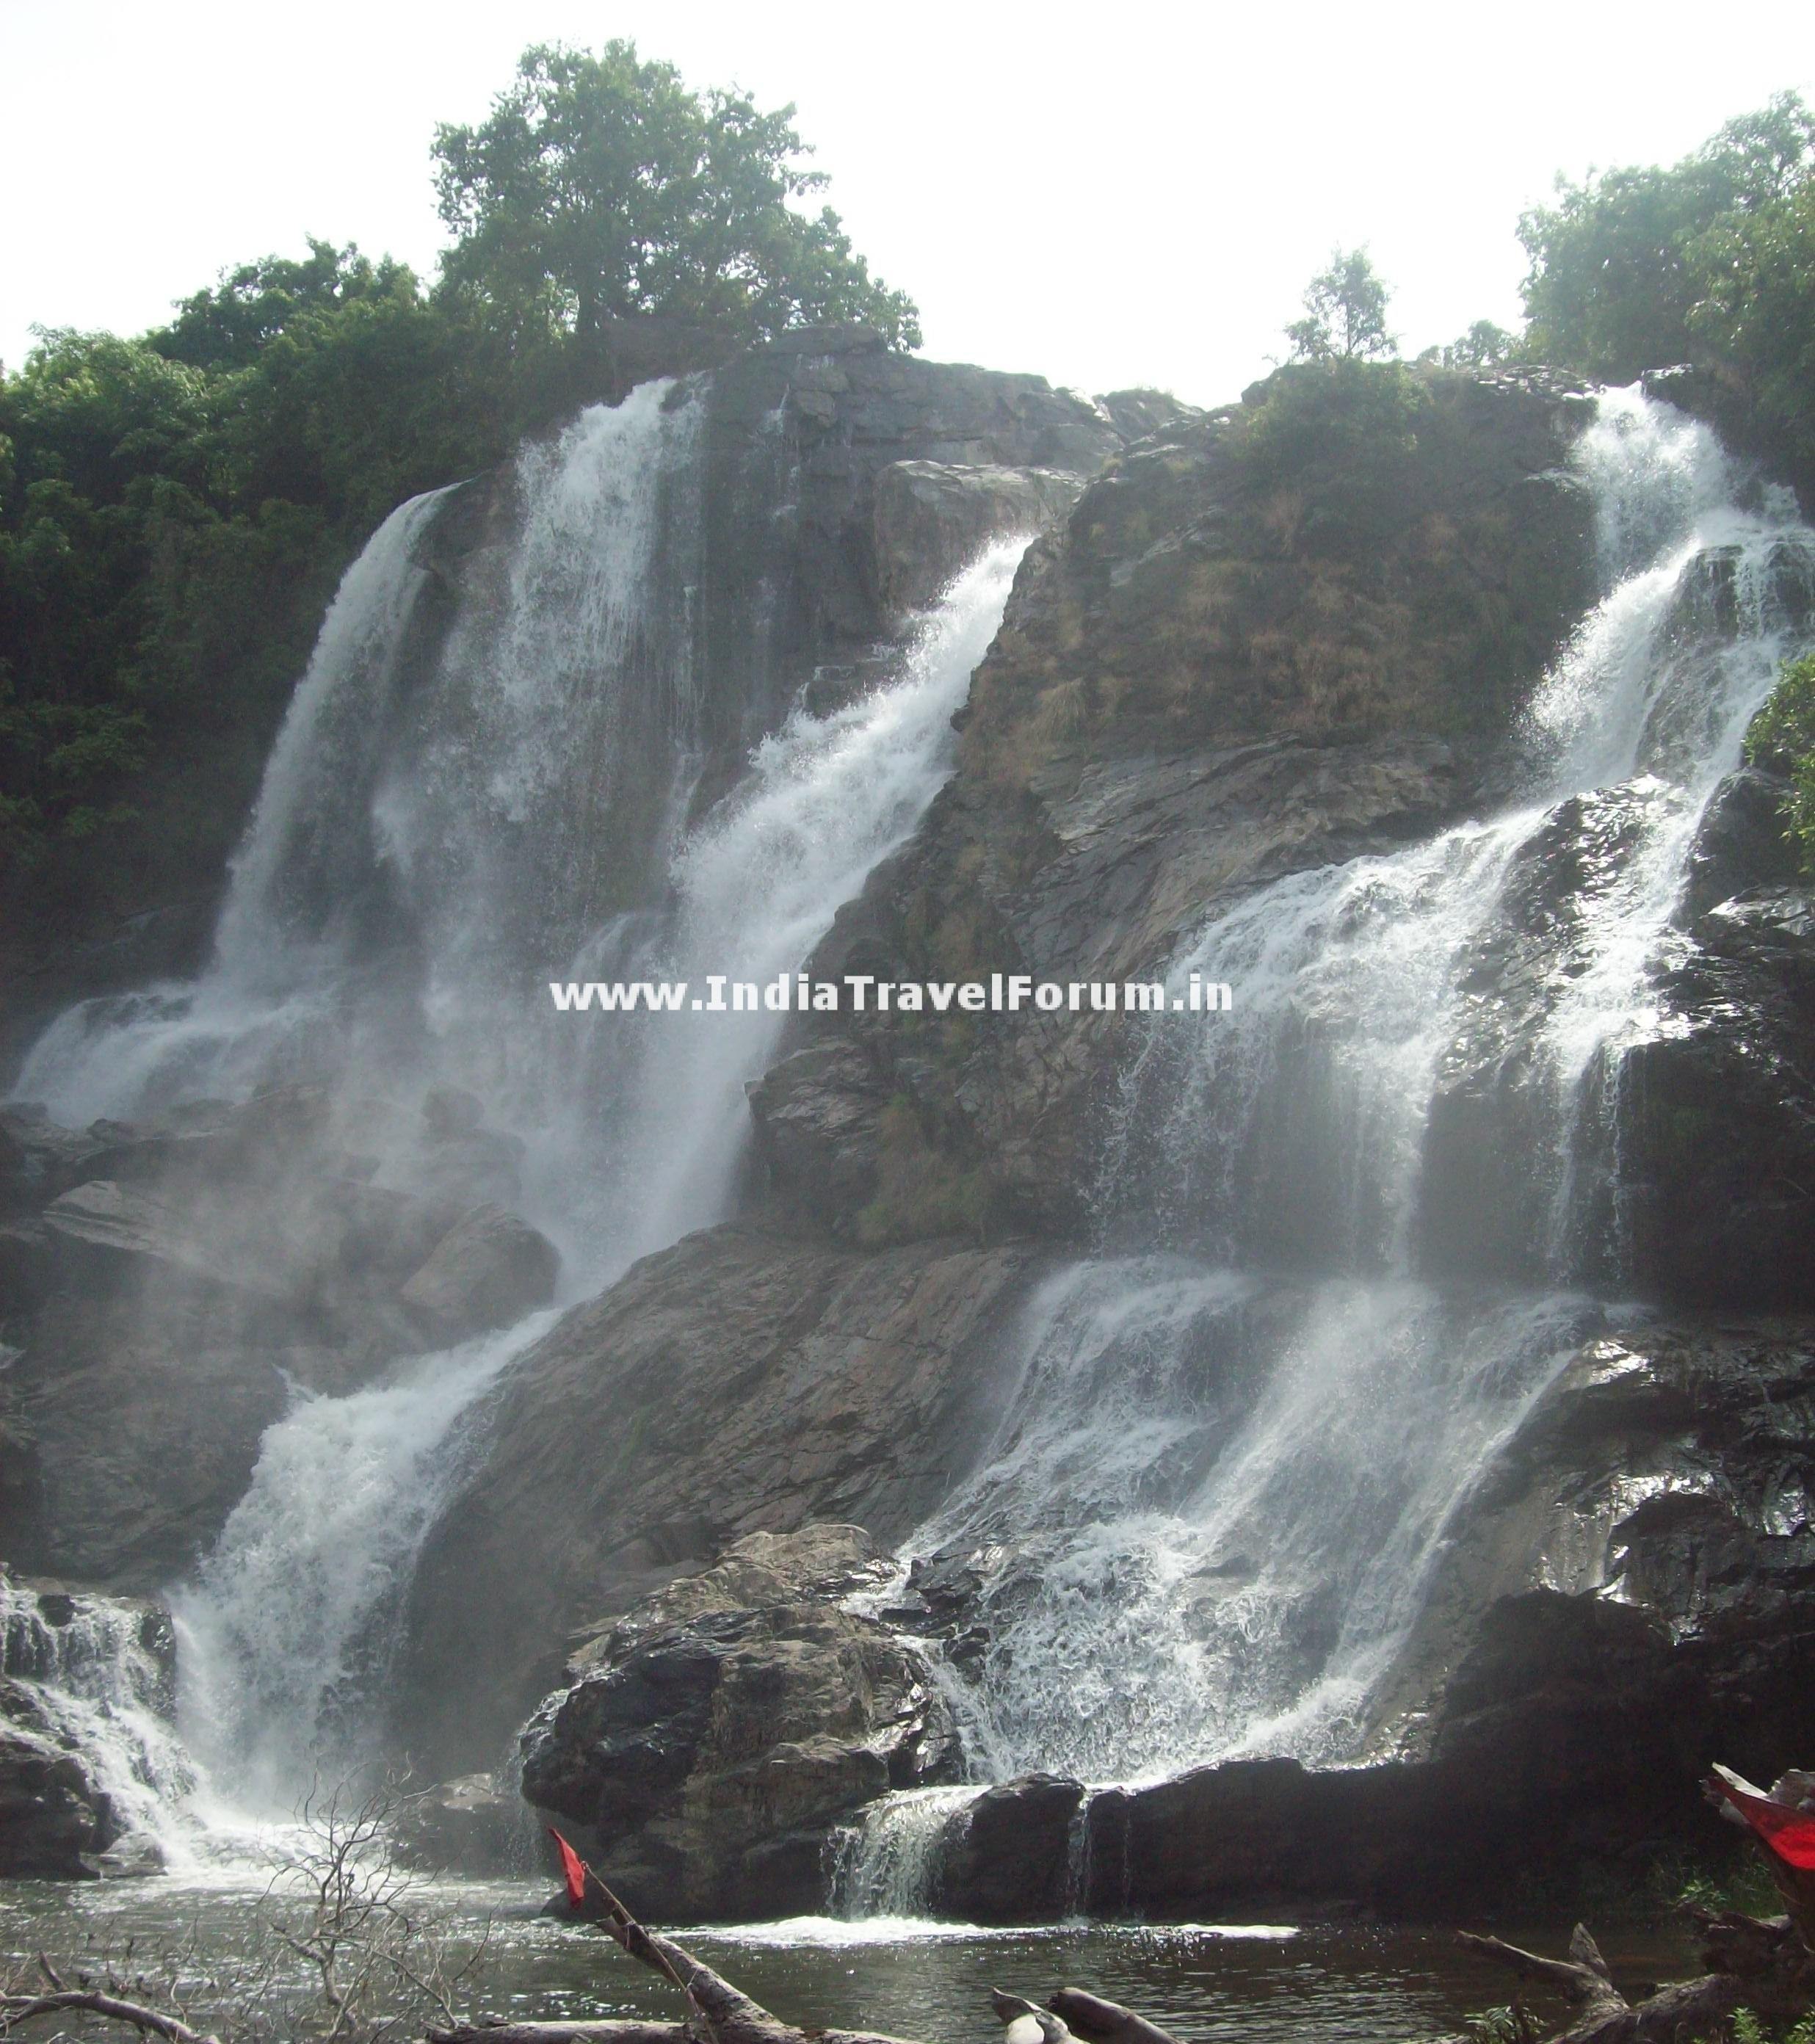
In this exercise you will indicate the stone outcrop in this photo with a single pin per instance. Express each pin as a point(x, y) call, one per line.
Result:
point(715, 1738)
point(1265, 638)
point(53, 1820)
point(819, 1121)
point(67, 1661)
point(739, 1382)
point(932, 518)
point(470, 1825)
point(1705, 1127)
point(162, 1288)
point(488, 1271)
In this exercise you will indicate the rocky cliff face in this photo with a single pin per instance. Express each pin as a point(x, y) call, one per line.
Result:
point(1265, 640)
point(157, 1331)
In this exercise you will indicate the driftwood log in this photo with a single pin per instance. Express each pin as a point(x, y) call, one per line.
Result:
point(1759, 1963)
point(1765, 1964)
point(718, 2013)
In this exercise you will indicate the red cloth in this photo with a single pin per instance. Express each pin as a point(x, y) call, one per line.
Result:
point(573, 1866)
point(1788, 1835)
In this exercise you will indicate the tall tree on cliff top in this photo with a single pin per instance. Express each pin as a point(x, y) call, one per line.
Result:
point(600, 187)
point(1345, 312)
point(1631, 268)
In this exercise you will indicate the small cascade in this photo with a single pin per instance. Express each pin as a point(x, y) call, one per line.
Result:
point(888, 1864)
point(99, 1673)
point(287, 1629)
point(1204, 1524)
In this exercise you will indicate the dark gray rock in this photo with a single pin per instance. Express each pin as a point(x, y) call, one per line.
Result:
point(488, 1271)
point(718, 1735)
point(819, 1115)
point(52, 1819)
point(932, 518)
point(1008, 1857)
point(470, 1825)
point(739, 1382)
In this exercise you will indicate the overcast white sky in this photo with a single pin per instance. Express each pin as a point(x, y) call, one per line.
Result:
point(1126, 194)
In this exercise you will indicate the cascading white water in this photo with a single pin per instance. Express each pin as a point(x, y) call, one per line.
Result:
point(825, 800)
point(446, 823)
point(1206, 1523)
point(283, 1631)
point(99, 1688)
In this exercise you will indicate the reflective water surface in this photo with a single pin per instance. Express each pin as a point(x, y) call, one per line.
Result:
point(1260, 1984)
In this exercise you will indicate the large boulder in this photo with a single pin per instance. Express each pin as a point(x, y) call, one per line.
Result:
point(717, 1737)
point(470, 1825)
point(53, 1820)
point(489, 1271)
point(739, 1382)
point(819, 1115)
point(1010, 1856)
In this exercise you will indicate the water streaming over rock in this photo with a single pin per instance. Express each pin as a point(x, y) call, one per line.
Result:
point(99, 1673)
point(1207, 1521)
point(477, 790)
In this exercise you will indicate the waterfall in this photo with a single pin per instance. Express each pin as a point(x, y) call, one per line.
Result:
point(285, 1631)
point(1208, 1518)
point(756, 886)
point(573, 764)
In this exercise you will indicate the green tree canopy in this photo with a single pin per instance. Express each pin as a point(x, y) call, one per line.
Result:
point(1484, 346)
point(601, 187)
point(1345, 312)
point(1623, 262)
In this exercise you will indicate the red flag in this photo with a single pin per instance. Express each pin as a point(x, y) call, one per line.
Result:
point(573, 1866)
point(1787, 1835)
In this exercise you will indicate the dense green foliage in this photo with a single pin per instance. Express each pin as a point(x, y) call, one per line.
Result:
point(1783, 735)
point(1637, 268)
point(175, 509)
point(1345, 312)
point(600, 188)
point(1485, 346)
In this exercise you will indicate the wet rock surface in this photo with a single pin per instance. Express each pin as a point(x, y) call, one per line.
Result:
point(472, 1825)
point(1693, 1157)
point(715, 1736)
point(1171, 715)
point(932, 518)
point(53, 1820)
point(158, 1318)
point(57, 1819)
point(739, 1382)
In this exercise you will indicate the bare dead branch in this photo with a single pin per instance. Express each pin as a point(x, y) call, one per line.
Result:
point(17, 2008)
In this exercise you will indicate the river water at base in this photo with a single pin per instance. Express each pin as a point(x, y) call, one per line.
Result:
point(1255, 1984)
